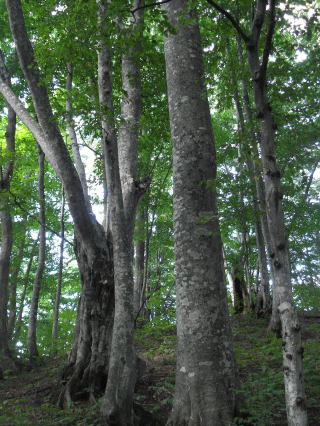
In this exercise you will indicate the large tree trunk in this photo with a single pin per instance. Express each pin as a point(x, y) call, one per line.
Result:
point(205, 376)
point(32, 328)
point(89, 358)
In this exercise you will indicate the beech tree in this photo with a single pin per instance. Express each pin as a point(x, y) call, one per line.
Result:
point(284, 316)
point(205, 375)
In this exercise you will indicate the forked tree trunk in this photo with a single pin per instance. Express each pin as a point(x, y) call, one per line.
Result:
point(205, 376)
point(32, 328)
point(123, 194)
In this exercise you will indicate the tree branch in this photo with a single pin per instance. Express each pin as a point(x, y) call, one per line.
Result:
point(231, 18)
point(157, 3)
point(258, 22)
point(268, 42)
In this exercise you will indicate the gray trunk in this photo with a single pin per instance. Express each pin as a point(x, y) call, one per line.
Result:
point(284, 316)
point(32, 328)
point(139, 262)
point(60, 274)
point(205, 376)
point(123, 196)
point(24, 290)
point(263, 296)
point(73, 137)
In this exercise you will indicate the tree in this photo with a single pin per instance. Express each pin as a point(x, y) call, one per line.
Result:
point(87, 364)
point(6, 171)
point(205, 375)
point(284, 316)
point(32, 329)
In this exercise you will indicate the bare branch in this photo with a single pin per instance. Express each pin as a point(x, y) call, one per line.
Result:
point(231, 18)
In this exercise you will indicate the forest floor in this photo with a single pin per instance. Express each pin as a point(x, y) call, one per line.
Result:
point(29, 398)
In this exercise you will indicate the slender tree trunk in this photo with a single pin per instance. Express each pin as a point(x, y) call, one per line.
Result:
point(6, 235)
point(73, 137)
point(32, 328)
point(60, 275)
point(139, 264)
point(263, 297)
point(284, 316)
point(18, 323)
point(205, 376)
point(13, 286)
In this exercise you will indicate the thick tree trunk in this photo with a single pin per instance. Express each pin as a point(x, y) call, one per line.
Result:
point(32, 328)
point(56, 310)
point(89, 357)
point(205, 376)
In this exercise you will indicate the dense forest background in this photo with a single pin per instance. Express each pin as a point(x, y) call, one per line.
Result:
point(44, 285)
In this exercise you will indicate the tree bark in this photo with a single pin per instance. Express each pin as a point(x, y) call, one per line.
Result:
point(205, 376)
point(73, 138)
point(139, 263)
point(32, 328)
point(6, 235)
point(123, 196)
point(18, 323)
point(60, 275)
point(13, 286)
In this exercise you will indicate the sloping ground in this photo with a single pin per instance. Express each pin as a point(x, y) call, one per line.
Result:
point(29, 398)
